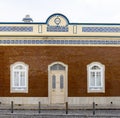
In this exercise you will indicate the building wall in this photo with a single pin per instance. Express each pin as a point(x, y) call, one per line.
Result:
point(77, 58)
point(57, 40)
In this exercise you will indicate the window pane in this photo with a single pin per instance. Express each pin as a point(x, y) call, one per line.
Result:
point(98, 78)
point(53, 81)
point(16, 79)
point(92, 79)
point(61, 82)
point(22, 79)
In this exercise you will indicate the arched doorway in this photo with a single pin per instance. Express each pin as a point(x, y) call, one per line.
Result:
point(58, 80)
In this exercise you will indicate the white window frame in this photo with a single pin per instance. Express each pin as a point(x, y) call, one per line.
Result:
point(18, 89)
point(95, 89)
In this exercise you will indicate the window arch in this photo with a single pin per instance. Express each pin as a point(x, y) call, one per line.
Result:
point(95, 77)
point(57, 67)
point(19, 77)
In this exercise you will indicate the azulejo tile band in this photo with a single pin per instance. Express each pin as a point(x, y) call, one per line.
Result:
point(100, 29)
point(15, 29)
point(61, 42)
point(57, 29)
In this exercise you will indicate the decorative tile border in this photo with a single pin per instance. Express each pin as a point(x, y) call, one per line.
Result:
point(60, 42)
point(100, 29)
point(57, 29)
point(15, 29)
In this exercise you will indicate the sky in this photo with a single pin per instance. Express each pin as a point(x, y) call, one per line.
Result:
point(77, 11)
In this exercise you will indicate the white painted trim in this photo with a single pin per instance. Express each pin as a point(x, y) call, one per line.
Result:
point(74, 29)
point(11, 77)
point(102, 69)
point(40, 28)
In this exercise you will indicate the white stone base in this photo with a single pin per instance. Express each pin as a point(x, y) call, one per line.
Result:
point(101, 102)
point(97, 100)
point(24, 100)
point(72, 101)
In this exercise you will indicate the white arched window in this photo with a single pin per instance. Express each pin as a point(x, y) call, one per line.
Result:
point(19, 77)
point(96, 77)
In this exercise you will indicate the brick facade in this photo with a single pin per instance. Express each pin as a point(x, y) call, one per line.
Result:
point(77, 58)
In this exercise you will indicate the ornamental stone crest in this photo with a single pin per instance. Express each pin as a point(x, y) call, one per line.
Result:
point(57, 23)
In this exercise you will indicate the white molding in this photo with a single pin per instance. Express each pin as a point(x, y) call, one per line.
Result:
point(74, 29)
point(40, 28)
point(102, 69)
point(11, 77)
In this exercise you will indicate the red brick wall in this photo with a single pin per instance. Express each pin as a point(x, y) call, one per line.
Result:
point(77, 59)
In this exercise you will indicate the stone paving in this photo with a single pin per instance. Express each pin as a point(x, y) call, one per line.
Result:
point(60, 114)
point(21, 111)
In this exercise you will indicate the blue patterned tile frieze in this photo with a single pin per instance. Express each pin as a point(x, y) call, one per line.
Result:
point(57, 28)
point(61, 42)
point(15, 29)
point(100, 29)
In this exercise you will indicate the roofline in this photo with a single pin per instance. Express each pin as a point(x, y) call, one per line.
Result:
point(55, 14)
point(22, 23)
point(32, 23)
